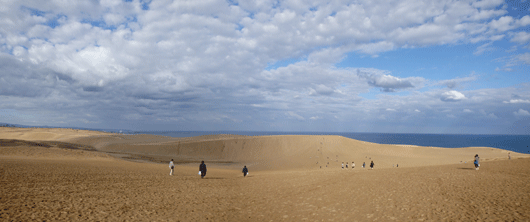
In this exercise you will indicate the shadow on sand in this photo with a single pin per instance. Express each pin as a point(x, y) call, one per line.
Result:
point(466, 168)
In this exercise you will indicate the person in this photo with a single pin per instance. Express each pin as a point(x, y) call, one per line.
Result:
point(364, 164)
point(245, 171)
point(352, 165)
point(372, 165)
point(171, 167)
point(343, 165)
point(509, 157)
point(477, 164)
point(346, 165)
point(202, 168)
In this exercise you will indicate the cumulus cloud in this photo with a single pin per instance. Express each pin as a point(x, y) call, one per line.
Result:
point(389, 83)
point(452, 96)
point(106, 63)
point(521, 37)
point(315, 118)
point(521, 113)
point(515, 101)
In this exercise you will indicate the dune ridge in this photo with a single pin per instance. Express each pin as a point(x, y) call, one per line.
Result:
point(261, 152)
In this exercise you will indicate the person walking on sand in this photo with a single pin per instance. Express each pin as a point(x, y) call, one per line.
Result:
point(352, 165)
point(477, 164)
point(364, 164)
point(202, 168)
point(346, 165)
point(171, 167)
point(509, 157)
point(245, 171)
point(343, 165)
point(372, 165)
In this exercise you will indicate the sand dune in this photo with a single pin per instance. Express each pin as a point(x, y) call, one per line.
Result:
point(65, 179)
point(284, 152)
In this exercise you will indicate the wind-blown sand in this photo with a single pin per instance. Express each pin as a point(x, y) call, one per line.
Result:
point(64, 174)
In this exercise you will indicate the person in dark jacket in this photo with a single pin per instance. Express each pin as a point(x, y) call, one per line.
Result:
point(372, 165)
point(245, 171)
point(477, 164)
point(202, 168)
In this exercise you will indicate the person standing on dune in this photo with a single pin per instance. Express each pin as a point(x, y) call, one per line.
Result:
point(372, 165)
point(245, 171)
point(477, 164)
point(171, 167)
point(202, 168)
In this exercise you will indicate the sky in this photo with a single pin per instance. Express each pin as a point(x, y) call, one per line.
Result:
point(392, 66)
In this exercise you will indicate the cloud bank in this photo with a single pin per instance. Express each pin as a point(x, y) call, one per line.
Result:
point(248, 65)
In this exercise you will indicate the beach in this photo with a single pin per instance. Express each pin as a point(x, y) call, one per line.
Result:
point(66, 174)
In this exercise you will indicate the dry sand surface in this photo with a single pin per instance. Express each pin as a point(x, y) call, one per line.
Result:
point(79, 177)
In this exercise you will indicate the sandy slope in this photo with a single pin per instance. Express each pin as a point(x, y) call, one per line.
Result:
point(70, 185)
point(48, 180)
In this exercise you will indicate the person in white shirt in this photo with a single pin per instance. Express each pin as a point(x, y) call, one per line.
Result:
point(172, 167)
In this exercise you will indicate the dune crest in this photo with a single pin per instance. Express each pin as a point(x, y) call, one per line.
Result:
point(282, 152)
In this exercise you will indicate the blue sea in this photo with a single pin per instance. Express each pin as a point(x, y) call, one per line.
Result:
point(517, 143)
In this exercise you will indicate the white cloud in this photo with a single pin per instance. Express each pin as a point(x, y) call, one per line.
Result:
point(521, 113)
point(113, 61)
point(488, 115)
point(315, 118)
point(467, 111)
point(389, 83)
point(515, 101)
point(505, 69)
point(483, 48)
point(294, 115)
point(452, 96)
point(521, 37)
point(506, 23)
point(453, 83)
point(485, 4)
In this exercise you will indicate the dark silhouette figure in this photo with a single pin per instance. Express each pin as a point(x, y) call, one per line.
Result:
point(372, 165)
point(202, 168)
point(477, 164)
point(245, 171)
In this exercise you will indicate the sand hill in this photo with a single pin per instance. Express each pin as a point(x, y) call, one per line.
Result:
point(280, 152)
point(65, 174)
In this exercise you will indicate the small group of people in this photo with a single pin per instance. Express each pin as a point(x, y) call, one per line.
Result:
point(372, 164)
point(202, 169)
point(353, 165)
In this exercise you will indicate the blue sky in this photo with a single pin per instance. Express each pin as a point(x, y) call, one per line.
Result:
point(402, 66)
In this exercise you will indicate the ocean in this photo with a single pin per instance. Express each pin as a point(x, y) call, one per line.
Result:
point(516, 143)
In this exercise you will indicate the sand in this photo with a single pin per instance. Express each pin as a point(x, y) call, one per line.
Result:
point(95, 176)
